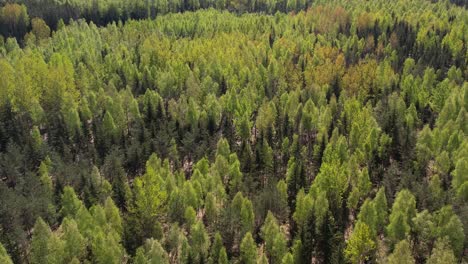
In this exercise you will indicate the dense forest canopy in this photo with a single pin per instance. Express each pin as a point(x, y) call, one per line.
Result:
point(233, 131)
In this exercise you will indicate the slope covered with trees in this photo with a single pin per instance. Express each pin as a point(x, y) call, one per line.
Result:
point(306, 132)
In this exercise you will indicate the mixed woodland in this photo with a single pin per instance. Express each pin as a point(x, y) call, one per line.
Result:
point(233, 131)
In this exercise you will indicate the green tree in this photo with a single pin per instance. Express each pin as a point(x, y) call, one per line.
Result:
point(442, 253)
point(4, 258)
point(75, 243)
point(190, 216)
point(152, 253)
point(262, 259)
point(304, 207)
point(56, 249)
point(398, 227)
point(368, 215)
point(14, 20)
point(149, 198)
point(106, 248)
point(401, 254)
point(275, 240)
point(113, 217)
point(40, 242)
point(247, 216)
point(248, 249)
point(216, 248)
point(423, 233)
point(70, 202)
point(381, 208)
point(360, 244)
point(40, 29)
point(449, 225)
point(211, 209)
point(199, 242)
point(287, 259)
point(223, 259)
point(403, 211)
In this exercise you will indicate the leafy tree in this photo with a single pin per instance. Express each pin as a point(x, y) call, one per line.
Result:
point(14, 20)
point(46, 247)
point(149, 197)
point(4, 258)
point(275, 240)
point(442, 253)
point(449, 225)
point(247, 216)
point(381, 208)
point(287, 259)
point(398, 227)
point(70, 202)
point(199, 242)
point(304, 205)
point(40, 29)
point(401, 254)
point(360, 244)
point(106, 248)
point(403, 210)
point(39, 243)
point(423, 233)
point(75, 243)
point(190, 216)
point(262, 259)
point(248, 249)
point(223, 259)
point(152, 252)
point(368, 216)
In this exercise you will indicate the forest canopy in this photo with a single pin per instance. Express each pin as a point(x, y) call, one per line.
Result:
point(233, 131)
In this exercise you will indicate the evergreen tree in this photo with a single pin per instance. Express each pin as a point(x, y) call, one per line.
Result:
point(248, 249)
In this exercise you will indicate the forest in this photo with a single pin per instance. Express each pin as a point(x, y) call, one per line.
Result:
point(233, 131)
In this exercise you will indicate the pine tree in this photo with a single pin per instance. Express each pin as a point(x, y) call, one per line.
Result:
point(70, 202)
point(40, 242)
point(248, 249)
point(75, 243)
point(403, 210)
point(401, 254)
point(199, 242)
point(442, 253)
point(381, 208)
point(223, 259)
point(4, 258)
point(360, 244)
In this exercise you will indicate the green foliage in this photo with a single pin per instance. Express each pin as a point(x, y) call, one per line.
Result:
point(401, 254)
point(4, 258)
point(143, 133)
point(248, 249)
point(360, 244)
point(70, 203)
point(75, 243)
point(223, 259)
point(152, 252)
point(442, 253)
point(199, 242)
point(106, 248)
point(275, 240)
point(449, 225)
point(149, 196)
point(287, 259)
point(39, 243)
point(403, 210)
